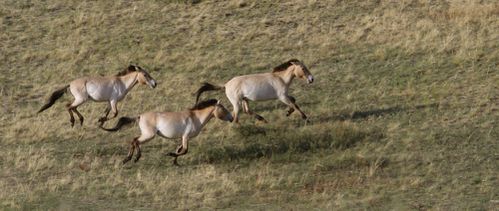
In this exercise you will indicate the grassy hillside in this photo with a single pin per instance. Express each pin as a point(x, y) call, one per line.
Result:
point(404, 107)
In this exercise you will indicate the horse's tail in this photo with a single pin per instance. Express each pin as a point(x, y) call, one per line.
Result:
point(121, 122)
point(55, 96)
point(207, 87)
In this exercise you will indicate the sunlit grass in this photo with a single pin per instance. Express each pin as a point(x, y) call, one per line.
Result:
point(403, 111)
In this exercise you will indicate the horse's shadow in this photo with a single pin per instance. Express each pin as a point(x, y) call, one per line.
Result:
point(253, 142)
point(358, 115)
point(260, 142)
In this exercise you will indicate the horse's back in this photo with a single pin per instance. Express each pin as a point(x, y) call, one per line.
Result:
point(251, 77)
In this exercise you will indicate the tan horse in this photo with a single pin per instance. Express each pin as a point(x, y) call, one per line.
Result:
point(263, 86)
point(109, 88)
point(185, 125)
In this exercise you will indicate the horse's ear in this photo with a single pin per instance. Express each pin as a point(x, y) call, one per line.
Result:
point(131, 68)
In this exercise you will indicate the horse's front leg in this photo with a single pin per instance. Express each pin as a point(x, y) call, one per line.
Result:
point(290, 101)
point(291, 108)
point(181, 150)
point(104, 118)
point(112, 106)
point(175, 155)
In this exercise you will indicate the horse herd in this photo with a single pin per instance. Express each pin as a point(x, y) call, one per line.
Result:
point(185, 124)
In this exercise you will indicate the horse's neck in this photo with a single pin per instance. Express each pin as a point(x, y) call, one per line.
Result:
point(203, 116)
point(130, 80)
point(287, 75)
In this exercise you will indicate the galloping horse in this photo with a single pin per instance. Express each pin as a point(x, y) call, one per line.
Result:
point(185, 125)
point(263, 86)
point(110, 88)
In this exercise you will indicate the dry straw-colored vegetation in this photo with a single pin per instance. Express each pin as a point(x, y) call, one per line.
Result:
point(404, 110)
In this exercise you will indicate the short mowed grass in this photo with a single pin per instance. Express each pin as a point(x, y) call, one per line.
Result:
point(403, 110)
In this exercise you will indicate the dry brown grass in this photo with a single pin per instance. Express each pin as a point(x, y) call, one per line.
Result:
point(404, 109)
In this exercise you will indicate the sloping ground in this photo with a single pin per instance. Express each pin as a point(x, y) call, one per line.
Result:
point(404, 109)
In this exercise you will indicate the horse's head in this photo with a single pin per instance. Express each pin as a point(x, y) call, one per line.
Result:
point(143, 77)
point(301, 71)
point(222, 113)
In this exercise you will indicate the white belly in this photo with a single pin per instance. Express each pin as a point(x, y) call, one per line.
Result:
point(171, 129)
point(264, 91)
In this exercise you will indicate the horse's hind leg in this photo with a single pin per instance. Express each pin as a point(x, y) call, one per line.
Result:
point(79, 115)
point(71, 117)
point(72, 107)
point(142, 139)
point(235, 112)
point(248, 111)
point(131, 150)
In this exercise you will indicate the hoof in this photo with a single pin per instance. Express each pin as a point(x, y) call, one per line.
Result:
point(260, 118)
point(261, 122)
point(136, 159)
point(102, 120)
point(126, 159)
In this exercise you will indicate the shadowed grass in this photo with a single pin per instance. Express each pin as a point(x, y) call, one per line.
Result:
point(256, 142)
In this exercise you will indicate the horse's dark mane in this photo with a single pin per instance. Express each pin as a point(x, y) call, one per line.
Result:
point(130, 68)
point(285, 65)
point(204, 104)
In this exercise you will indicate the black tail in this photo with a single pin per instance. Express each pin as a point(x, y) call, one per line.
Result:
point(121, 122)
point(55, 95)
point(206, 87)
